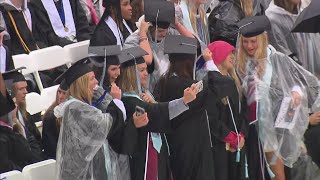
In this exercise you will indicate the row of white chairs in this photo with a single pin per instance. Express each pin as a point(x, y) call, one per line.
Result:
point(37, 171)
point(46, 59)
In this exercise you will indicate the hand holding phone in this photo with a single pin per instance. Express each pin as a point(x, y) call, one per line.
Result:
point(139, 111)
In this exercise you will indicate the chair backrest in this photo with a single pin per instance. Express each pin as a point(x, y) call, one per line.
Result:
point(24, 60)
point(48, 96)
point(44, 170)
point(34, 103)
point(77, 51)
point(12, 175)
point(49, 58)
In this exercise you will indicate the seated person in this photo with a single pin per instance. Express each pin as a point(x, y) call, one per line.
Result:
point(14, 148)
point(67, 19)
point(51, 124)
point(17, 85)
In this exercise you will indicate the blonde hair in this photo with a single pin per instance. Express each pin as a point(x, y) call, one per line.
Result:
point(193, 15)
point(247, 7)
point(79, 89)
point(128, 80)
point(260, 56)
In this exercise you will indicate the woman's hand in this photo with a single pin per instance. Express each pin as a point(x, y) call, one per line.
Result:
point(115, 91)
point(144, 27)
point(147, 98)
point(314, 119)
point(296, 98)
point(189, 94)
point(140, 121)
point(207, 55)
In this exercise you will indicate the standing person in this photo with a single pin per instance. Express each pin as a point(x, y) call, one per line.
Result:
point(230, 120)
point(109, 30)
point(66, 18)
point(51, 125)
point(193, 16)
point(303, 47)
point(18, 88)
point(190, 140)
point(152, 30)
point(83, 150)
point(126, 13)
point(150, 152)
point(279, 93)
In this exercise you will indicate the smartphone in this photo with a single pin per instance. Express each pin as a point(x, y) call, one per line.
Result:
point(139, 111)
point(199, 86)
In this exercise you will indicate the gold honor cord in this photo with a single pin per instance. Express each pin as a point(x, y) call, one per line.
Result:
point(25, 47)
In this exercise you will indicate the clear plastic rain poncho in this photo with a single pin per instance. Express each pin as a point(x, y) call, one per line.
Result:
point(83, 152)
point(280, 125)
point(184, 16)
point(305, 46)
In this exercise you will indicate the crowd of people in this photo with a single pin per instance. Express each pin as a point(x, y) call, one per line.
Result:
point(176, 89)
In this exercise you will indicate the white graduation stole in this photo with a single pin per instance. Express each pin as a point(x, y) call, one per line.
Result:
point(65, 31)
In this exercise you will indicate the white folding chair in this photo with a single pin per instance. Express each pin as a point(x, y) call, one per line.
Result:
point(44, 170)
point(48, 58)
point(12, 175)
point(48, 96)
point(77, 51)
point(34, 103)
point(24, 60)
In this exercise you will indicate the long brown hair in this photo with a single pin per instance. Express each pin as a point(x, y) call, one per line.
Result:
point(247, 7)
point(285, 4)
point(22, 105)
point(260, 56)
point(127, 80)
point(137, 10)
point(180, 65)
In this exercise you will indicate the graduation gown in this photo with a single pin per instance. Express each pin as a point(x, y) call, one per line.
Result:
point(15, 151)
point(137, 141)
point(15, 44)
point(50, 135)
point(312, 142)
point(221, 125)
point(190, 141)
point(83, 31)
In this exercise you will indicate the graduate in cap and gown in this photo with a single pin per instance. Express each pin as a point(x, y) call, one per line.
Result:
point(84, 150)
point(51, 124)
point(230, 120)
point(147, 146)
point(153, 27)
point(190, 140)
point(16, 152)
point(66, 19)
point(17, 85)
point(110, 29)
point(279, 93)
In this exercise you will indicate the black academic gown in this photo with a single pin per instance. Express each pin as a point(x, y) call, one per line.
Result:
point(50, 135)
point(15, 44)
point(15, 151)
point(135, 141)
point(83, 31)
point(221, 125)
point(312, 141)
point(33, 136)
point(190, 142)
point(9, 60)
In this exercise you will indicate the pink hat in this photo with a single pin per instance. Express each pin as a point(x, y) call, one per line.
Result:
point(220, 51)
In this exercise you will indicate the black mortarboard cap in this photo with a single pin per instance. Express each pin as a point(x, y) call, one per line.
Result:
point(159, 12)
point(74, 72)
point(131, 56)
point(63, 85)
point(177, 44)
point(254, 25)
point(14, 75)
point(97, 55)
